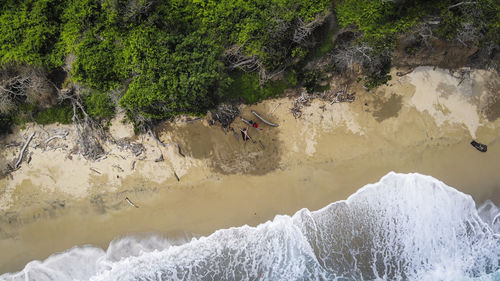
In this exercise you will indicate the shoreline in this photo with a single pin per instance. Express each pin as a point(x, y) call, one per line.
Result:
point(325, 156)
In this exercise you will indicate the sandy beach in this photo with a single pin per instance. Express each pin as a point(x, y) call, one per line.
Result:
point(421, 122)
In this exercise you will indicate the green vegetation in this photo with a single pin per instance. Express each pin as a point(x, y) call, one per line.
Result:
point(23, 114)
point(171, 57)
point(311, 79)
point(28, 32)
point(379, 20)
point(99, 105)
point(163, 58)
point(58, 113)
point(245, 86)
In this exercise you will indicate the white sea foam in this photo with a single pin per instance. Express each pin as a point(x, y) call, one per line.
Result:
point(405, 227)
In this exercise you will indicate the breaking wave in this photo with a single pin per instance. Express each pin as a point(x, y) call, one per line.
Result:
point(405, 227)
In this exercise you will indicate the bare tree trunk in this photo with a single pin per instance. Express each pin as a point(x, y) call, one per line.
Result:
point(23, 150)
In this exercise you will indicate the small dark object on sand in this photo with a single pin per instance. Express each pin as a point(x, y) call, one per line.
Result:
point(479, 146)
point(179, 150)
point(131, 203)
point(159, 159)
point(235, 134)
point(261, 145)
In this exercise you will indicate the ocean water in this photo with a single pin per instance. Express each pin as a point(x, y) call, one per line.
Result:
point(405, 227)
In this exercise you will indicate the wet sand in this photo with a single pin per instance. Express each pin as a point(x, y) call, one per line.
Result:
point(422, 122)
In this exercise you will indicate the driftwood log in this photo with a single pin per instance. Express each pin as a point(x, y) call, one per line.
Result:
point(261, 145)
point(21, 155)
point(176, 176)
point(60, 136)
point(94, 170)
point(131, 203)
point(264, 120)
point(274, 109)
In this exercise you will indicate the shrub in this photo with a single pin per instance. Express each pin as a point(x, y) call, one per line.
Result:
point(245, 86)
point(99, 105)
point(61, 113)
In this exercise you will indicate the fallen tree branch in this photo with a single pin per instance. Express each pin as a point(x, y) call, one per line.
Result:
point(264, 120)
point(176, 176)
point(179, 150)
point(153, 135)
point(118, 167)
point(261, 145)
point(275, 108)
point(461, 3)
point(12, 144)
point(63, 135)
point(94, 170)
point(131, 203)
point(16, 166)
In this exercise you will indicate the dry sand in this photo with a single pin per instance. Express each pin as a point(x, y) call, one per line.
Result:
point(422, 122)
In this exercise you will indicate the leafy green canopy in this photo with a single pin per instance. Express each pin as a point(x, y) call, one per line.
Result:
point(29, 30)
point(379, 20)
point(265, 28)
point(177, 74)
point(168, 53)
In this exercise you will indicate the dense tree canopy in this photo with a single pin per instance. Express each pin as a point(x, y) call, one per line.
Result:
point(170, 54)
point(180, 56)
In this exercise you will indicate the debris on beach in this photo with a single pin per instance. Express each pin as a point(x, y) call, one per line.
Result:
point(250, 123)
point(225, 115)
point(95, 170)
point(21, 154)
point(299, 103)
point(333, 96)
point(235, 134)
point(179, 150)
point(131, 203)
point(176, 176)
point(336, 95)
point(264, 120)
point(61, 135)
point(159, 159)
point(479, 146)
point(118, 167)
point(125, 144)
point(261, 145)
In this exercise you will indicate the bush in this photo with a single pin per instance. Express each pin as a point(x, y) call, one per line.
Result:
point(29, 31)
point(245, 86)
point(172, 55)
point(57, 114)
point(99, 105)
point(99, 63)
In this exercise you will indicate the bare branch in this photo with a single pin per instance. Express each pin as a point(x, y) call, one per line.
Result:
point(462, 3)
point(21, 155)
